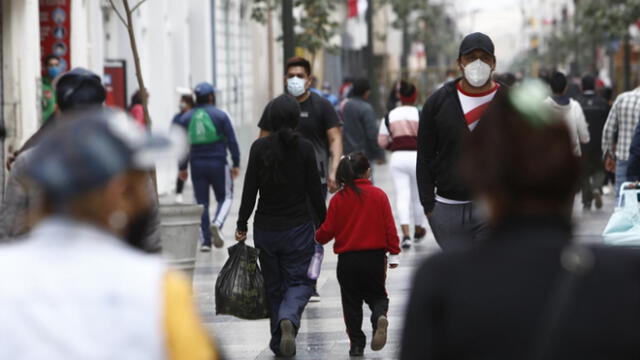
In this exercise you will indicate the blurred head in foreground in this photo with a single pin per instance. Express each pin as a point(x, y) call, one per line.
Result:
point(93, 168)
point(521, 160)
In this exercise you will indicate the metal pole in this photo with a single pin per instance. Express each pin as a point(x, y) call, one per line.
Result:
point(369, 58)
point(287, 29)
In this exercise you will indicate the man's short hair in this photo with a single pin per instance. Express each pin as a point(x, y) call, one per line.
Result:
point(299, 61)
point(588, 83)
point(558, 82)
point(360, 87)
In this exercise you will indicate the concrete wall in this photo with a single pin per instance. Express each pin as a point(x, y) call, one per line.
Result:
point(21, 69)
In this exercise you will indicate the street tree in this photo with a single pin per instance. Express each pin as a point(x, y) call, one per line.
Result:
point(314, 25)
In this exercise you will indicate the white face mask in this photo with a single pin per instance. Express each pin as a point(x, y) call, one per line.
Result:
point(296, 86)
point(477, 73)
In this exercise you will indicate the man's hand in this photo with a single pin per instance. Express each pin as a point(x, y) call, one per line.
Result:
point(381, 161)
point(235, 172)
point(428, 214)
point(241, 236)
point(332, 185)
point(610, 163)
point(393, 266)
point(183, 175)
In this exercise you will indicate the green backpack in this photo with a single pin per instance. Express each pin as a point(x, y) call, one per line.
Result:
point(202, 130)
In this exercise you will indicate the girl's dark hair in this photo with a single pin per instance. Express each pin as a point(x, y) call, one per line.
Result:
point(283, 113)
point(350, 168)
point(523, 166)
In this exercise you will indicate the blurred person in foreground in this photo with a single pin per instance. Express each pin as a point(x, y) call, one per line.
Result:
point(525, 292)
point(596, 110)
point(83, 289)
point(450, 115)
point(618, 133)
point(283, 171)
point(78, 90)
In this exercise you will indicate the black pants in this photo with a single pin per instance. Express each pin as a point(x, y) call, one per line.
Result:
point(593, 178)
point(362, 276)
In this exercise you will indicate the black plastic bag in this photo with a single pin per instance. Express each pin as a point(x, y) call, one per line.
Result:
point(240, 287)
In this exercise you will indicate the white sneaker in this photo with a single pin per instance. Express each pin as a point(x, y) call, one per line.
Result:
point(406, 242)
point(216, 234)
point(179, 199)
point(205, 248)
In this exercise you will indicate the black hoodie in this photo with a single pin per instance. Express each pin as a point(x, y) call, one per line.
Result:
point(440, 136)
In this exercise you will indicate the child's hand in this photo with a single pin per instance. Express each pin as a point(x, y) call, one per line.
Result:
point(393, 261)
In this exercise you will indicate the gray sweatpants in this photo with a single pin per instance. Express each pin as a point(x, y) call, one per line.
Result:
point(457, 226)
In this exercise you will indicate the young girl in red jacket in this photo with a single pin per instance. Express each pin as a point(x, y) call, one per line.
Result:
point(360, 220)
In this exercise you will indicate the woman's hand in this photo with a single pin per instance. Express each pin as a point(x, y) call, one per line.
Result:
point(241, 236)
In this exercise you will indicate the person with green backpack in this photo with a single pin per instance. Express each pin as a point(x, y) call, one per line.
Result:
point(211, 135)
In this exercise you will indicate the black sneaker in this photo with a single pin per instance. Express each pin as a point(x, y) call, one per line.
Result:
point(380, 334)
point(287, 338)
point(356, 351)
point(406, 242)
point(419, 234)
point(598, 199)
point(315, 297)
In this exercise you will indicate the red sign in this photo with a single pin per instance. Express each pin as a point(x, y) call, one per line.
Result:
point(55, 30)
point(115, 82)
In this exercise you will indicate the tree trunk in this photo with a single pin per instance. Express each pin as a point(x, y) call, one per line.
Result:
point(136, 60)
point(287, 29)
point(369, 58)
point(406, 45)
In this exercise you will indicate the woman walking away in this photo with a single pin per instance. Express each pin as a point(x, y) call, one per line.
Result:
point(361, 221)
point(399, 134)
point(282, 168)
point(525, 291)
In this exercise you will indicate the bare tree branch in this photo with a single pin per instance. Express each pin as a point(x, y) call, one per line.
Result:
point(113, 6)
point(137, 6)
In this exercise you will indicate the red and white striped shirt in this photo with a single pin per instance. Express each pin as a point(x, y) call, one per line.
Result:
point(474, 105)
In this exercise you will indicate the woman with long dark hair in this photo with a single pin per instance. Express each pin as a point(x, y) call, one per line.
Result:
point(282, 169)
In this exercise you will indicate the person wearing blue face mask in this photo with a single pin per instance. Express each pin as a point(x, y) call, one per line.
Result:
point(52, 69)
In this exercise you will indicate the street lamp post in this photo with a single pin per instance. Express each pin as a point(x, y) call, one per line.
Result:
point(369, 58)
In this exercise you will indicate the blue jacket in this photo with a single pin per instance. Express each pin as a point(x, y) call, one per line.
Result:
point(218, 150)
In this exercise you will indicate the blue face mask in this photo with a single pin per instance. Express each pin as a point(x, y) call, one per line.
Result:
point(53, 71)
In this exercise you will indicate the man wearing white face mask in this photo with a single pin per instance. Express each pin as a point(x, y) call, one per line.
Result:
point(450, 115)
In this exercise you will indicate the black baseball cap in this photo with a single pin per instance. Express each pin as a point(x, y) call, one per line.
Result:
point(476, 41)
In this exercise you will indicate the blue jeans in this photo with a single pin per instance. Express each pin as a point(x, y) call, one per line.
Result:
point(285, 256)
point(621, 175)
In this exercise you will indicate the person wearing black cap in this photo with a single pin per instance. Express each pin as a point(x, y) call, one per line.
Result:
point(76, 90)
point(450, 115)
point(211, 135)
point(89, 292)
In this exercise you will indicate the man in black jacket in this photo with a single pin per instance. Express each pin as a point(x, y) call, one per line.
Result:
point(596, 110)
point(449, 115)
